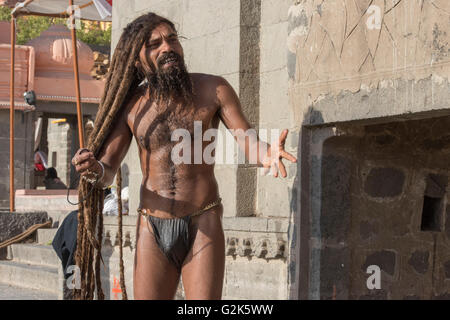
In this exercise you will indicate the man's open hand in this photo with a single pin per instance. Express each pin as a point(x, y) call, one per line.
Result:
point(276, 152)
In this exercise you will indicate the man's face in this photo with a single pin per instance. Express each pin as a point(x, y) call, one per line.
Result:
point(157, 53)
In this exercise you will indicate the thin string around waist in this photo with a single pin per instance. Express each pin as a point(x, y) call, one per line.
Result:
point(143, 211)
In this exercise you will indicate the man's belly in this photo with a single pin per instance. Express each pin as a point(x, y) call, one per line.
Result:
point(186, 194)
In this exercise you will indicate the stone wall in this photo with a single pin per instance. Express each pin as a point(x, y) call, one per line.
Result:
point(59, 135)
point(357, 71)
point(355, 60)
point(23, 153)
point(275, 196)
point(385, 204)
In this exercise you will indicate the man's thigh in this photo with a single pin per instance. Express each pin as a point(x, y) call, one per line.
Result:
point(154, 277)
point(203, 269)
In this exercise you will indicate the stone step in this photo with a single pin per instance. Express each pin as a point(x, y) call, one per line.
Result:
point(57, 216)
point(29, 276)
point(32, 253)
point(53, 202)
point(9, 292)
point(45, 236)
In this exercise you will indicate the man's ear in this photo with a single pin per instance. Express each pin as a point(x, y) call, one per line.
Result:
point(138, 65)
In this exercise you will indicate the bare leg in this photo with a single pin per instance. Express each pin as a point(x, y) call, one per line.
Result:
point(203, 269)
point(154, 277)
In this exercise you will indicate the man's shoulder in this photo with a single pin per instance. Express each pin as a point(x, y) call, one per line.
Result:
point(205, 77)
point(134, 97)
point(209, 81)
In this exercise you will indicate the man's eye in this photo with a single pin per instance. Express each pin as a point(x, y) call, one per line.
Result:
point(152, 45)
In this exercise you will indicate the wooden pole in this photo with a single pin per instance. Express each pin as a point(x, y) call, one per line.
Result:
point(11, 117)
point(77, 77)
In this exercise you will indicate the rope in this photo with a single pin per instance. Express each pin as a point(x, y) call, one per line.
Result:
point(144, 212)
point(25, 234)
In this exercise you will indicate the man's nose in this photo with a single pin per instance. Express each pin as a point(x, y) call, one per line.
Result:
point(166, 46)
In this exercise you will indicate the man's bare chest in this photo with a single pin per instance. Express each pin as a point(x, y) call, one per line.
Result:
point(153, 126)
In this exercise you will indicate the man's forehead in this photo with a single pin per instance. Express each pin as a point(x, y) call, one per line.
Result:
point(163, 30)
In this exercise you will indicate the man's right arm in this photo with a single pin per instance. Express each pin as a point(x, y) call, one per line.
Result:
point(113, 151)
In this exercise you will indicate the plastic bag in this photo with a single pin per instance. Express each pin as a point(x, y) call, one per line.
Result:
point(110, 205)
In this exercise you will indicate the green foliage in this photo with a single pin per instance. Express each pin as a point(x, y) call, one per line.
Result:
point(5, 14)
point(95, 35)
point(30, 27)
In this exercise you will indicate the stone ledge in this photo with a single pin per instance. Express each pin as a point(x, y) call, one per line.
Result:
point(257, 237)
point(253, 224)
point(256, 224)
point(374, 105)
point(127, 220)
point(35, 192)
point(268, 245)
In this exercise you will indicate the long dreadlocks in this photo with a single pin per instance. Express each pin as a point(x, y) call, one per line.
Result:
point(122, 80)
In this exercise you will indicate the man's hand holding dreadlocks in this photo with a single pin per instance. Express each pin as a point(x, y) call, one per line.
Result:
point(88, 166)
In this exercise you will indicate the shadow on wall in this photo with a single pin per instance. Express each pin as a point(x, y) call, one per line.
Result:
point(300, 230)
point(125, 175)
point(320, 257)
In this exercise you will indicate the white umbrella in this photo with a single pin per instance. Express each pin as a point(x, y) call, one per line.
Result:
point(97, 10)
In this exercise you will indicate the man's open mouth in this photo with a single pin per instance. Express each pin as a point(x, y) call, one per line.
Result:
point(169, 62)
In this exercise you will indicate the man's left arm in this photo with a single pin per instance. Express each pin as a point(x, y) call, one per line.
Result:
point(230, 112)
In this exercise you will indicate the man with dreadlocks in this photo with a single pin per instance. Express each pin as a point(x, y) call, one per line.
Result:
point(179, 229)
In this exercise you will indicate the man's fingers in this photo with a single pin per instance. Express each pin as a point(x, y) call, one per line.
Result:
point(282, 169)
point(80, 159)
point(288, 156)
point(86, 165)
point(274, 170)
point(283, 136)
point(82, 154)
point(82, 150)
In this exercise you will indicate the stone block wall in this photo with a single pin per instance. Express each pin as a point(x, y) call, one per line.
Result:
point(356, 67)
point(385, 203)
point(59, 137)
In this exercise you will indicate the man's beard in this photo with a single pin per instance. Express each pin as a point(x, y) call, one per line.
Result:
point(171, 83)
